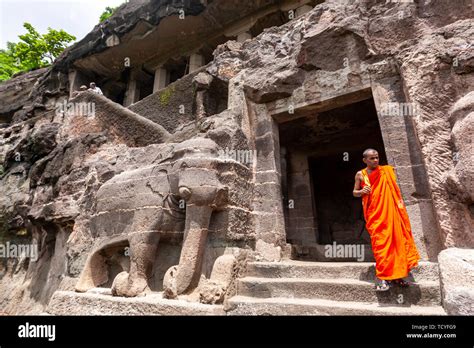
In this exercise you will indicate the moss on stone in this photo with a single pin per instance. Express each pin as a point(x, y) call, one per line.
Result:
point(165, 95)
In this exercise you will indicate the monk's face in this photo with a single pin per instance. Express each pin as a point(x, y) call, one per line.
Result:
point(372, 160)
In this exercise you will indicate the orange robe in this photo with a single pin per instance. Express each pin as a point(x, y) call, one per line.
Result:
point(388, 225)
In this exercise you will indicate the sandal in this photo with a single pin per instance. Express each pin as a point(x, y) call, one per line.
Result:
point(402, 283)
point(383, 286)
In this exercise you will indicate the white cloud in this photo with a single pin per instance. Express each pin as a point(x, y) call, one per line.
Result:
point(77, 17)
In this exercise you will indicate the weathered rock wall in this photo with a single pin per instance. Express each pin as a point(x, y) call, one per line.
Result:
point(412, 53)
point(16, 100)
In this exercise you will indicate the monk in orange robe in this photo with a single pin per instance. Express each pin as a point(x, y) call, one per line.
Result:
point(386, 221)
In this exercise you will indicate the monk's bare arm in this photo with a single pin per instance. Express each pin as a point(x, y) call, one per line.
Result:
point(357, 192)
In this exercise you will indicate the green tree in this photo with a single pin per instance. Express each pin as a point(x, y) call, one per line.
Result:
point(32, 51)
point(36, 50)
point(9, 65)
point(109, 11)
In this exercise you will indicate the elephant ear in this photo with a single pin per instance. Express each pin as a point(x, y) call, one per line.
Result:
point(222, 197)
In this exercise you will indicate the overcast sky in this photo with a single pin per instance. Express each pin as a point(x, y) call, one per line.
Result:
point(77, 17)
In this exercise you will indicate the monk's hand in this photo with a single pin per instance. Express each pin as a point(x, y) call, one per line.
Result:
point(366, 190)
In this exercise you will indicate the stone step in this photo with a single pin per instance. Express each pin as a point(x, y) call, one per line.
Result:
point(242, 305)
point(341, 289)
point(426, 271)
point(317, 252)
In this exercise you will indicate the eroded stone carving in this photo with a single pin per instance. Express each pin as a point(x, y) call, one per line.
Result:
point(459, 181)
point(213, 291)
point(199, 186)
point(175, 196)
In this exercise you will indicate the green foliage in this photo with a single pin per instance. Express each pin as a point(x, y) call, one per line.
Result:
point(9, 65)
point(32, 51)
point(109, 11)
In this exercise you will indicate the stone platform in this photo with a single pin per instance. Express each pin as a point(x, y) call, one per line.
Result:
point(94, 303)
point(280, 288)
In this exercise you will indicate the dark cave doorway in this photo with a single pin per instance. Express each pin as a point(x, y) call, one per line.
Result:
point(321, 153)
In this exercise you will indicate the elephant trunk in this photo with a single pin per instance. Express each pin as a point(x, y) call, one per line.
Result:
point(195, 234)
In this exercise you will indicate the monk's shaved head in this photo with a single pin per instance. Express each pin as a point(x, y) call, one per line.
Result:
point(367, 152)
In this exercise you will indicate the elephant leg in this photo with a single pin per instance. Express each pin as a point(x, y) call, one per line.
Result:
point(142, 256)
point(190, 261)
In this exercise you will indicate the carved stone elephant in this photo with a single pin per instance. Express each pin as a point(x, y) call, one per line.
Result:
point(137, 208)
point(459, 181)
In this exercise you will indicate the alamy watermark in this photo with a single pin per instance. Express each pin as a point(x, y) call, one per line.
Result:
point(28, 330)
point(345, 251)
point(399, 109)
point(16, 251)
point(241, 156)
point(75, 109)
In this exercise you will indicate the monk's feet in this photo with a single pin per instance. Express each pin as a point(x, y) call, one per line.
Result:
point(401, 283)
point(383, 285)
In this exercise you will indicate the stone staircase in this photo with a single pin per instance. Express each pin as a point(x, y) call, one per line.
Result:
point(332, 288)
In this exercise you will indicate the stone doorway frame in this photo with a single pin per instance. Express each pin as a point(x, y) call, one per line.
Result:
point(401, 146)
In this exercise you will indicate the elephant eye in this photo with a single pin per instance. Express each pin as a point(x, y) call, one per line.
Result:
point(184, 165)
